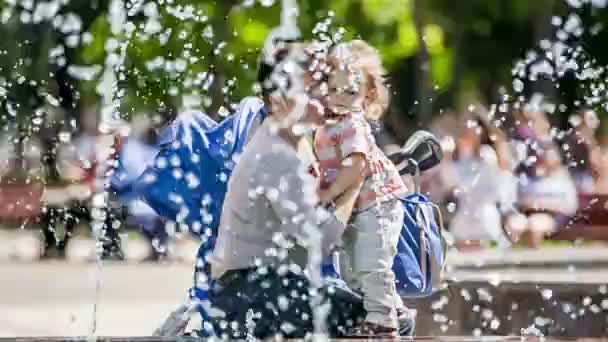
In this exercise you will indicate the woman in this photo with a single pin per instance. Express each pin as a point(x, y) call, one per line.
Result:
point(484, 186)
point(267, 234)
point(547, 194)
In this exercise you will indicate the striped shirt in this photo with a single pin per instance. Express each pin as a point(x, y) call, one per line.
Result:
point(351, 134)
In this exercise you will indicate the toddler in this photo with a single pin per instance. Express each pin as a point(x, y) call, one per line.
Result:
point(349, 158)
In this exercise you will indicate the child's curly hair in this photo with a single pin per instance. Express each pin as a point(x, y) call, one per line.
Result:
point(365, 60)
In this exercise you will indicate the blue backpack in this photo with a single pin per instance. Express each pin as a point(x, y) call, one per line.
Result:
point(421, 250)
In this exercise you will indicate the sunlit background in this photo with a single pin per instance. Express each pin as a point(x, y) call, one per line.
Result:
point(76, 77)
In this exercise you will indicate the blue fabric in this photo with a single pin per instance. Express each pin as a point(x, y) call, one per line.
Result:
point(132, 160)
point(328, 268)
point(133, 157)
point(188, 180)
point(407, 265)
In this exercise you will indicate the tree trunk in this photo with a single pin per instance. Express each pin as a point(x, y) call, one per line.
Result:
point(459, 60)
point(542, 29)
point(423, 67)
point(216, 63)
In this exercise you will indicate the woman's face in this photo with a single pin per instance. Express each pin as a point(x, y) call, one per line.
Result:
point(469, 142)
point(300, 104)
point(316, 90)
point(591, 120)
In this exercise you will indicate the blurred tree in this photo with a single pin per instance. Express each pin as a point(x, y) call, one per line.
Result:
point(437, 52)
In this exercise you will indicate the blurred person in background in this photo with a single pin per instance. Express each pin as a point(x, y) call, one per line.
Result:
point(578, 146)
point(547, 195)
point(137, 152)
point(78, 162)
point(21, 186)
point(599, 159)
point(483, 185)
point(438, 181)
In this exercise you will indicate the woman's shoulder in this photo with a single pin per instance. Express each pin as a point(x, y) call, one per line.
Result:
point(250, 104)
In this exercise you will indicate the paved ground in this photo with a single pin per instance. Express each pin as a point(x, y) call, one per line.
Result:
point(56, 299)
point(434, 338)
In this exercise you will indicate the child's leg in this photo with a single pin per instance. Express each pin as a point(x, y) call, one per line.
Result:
point(375, 245)
point(346, 259)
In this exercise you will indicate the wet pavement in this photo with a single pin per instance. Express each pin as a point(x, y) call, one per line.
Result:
point(57, 298)
point(422, 338)
point(42, 299)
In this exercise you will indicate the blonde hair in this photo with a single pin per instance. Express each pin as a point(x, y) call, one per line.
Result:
point(362, 57)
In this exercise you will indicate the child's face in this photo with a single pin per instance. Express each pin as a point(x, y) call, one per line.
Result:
point(345, 90)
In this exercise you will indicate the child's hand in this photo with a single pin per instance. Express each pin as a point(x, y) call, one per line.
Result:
point(324, 196)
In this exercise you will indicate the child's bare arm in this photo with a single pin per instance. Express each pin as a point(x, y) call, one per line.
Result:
point(351, 175)
point(346, 202)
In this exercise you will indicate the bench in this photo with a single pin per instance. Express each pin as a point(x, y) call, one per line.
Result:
point(48, 207)
point(20, 202)
point(589, 223)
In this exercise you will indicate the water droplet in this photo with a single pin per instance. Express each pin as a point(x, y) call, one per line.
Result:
point(518, 85)
point(587, 301)
point(531, 331)
point(208, 33)
point(267, 3)
point(542, 321)
point(223, 112)
point(223, 177)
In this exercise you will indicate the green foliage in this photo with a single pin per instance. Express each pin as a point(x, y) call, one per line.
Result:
point(471, 44)
point(386, 12)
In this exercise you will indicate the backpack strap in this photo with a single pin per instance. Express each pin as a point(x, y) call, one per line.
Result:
point(444, 244)
point(420, 216)
point(424, 222)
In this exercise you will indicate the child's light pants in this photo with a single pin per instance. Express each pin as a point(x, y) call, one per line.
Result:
point(366, 261)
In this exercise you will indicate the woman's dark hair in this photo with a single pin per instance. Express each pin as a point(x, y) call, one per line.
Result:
point(167, 113)
point(485, 134)
point(265, 70)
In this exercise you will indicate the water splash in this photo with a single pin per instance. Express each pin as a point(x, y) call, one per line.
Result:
point(531, 331)
point(110, 93)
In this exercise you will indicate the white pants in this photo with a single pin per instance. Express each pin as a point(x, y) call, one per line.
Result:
point(366, 261)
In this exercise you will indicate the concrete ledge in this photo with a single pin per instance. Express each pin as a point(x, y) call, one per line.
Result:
point(588, 256)
point(573, 275)
point(478, 308)
point(188, 339)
